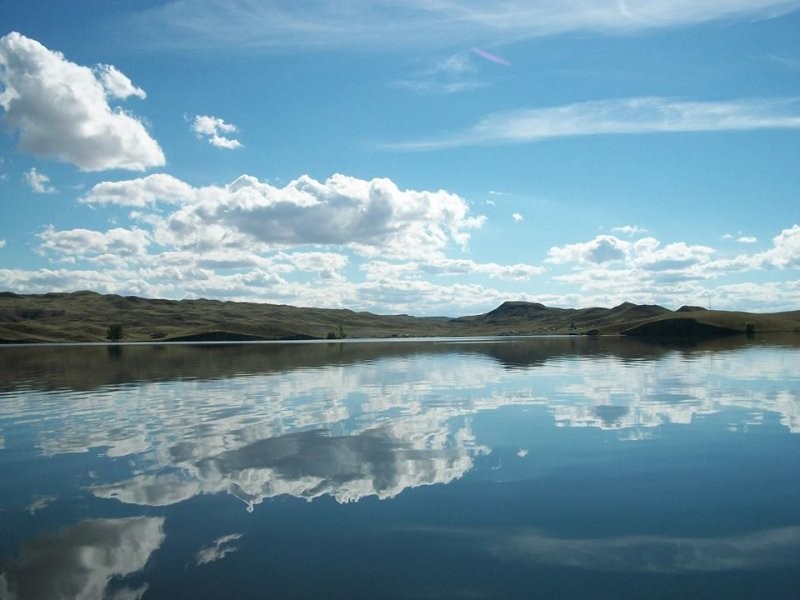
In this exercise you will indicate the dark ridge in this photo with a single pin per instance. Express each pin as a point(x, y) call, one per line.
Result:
point(639, 311)
point(677, 329)
point(688, 308)
point(515, 310)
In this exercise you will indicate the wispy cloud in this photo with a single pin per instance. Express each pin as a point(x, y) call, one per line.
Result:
point(319, 24)
point(39, 182)
point(789, 62)
point(629, 116)
point(629, 229)
point(452, 74)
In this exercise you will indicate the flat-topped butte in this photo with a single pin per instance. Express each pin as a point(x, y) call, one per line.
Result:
point(86, 316)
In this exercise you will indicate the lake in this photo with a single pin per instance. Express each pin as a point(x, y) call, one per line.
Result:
point(561, 467)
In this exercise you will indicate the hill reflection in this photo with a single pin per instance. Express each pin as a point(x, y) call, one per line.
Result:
point(54, 367)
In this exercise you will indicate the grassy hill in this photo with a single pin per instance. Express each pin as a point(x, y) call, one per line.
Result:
point(85, 317)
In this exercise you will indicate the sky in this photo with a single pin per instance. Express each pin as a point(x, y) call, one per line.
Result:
point(429, 158)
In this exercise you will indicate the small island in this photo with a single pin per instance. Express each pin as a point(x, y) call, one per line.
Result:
point(91, 317)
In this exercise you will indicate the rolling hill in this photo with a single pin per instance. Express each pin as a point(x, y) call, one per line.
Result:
point(85, 317)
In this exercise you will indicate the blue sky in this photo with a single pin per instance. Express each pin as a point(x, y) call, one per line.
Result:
point(433, 157)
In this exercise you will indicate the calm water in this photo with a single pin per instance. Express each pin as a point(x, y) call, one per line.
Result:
point(552, 468)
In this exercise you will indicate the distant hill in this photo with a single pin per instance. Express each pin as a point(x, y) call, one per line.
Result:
point(85, 317)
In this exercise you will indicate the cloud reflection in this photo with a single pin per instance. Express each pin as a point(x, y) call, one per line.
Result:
point(80, 561)
point(765, 549)
point(394, 418)
point(219, 549)
point(305, 465)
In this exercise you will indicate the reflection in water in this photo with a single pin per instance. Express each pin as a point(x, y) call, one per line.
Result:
point(525, 432)
point(306, 465)
point(219, 549)
point(401, 419)
point(767, 549)
point(80, 561)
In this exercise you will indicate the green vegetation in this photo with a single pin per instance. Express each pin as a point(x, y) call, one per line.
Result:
point(84, 317)
point(114, 332)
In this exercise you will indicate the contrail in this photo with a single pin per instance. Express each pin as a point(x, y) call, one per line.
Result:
point(491, 57)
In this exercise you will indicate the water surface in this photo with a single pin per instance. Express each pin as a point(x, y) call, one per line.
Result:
point(496, 468)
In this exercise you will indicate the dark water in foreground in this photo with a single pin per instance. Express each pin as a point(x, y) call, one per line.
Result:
point(551, 468)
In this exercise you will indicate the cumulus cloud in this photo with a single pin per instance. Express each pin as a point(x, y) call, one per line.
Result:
point(39, 182)
point(215, 131)
point(2, 243)
point(747, 239)
point(630, 116)
point(371, 217)
point(678, 255)
point(604, 248)
point(61, 110)
point(785, 251)
point(517, 217)
point(85, 243)
point(117, 83)
point(141, 192)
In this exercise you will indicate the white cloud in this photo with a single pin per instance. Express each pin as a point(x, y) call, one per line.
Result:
point(517, 217)
point(678, 255)
point(646, 254)
point(2, 243)
point(327, 264)
point(117, 84)
point(371, 217)
point(73, 244)
point(453, 74)
point(604, 248)
point(450, 266)
point(630, 230)
point(620, 116)
point(141, 192)
point(391, 24)
point(39, 182)
point(785, 251)
point(61, 110)
point(215, 130)
point(747, 239)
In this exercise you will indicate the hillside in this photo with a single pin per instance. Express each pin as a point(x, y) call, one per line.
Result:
point(85, 317)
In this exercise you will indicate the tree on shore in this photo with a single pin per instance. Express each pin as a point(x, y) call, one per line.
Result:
point(114, 332)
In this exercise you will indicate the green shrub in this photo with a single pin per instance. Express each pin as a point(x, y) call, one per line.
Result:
point(114, 332)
